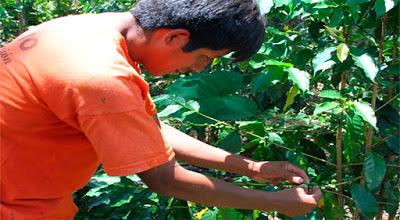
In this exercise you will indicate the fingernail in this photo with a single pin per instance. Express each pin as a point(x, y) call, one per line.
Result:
point(298, 179)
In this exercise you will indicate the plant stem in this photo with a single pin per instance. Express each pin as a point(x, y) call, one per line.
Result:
point(22, 24)
point(339, 163)
point(373, 99)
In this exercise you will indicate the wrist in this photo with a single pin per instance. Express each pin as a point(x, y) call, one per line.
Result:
point(252, 168)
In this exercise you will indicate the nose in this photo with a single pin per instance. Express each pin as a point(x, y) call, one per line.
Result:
point(198, 67)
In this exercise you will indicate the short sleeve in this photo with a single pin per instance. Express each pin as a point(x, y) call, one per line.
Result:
point(126, 142)
point(116, 116)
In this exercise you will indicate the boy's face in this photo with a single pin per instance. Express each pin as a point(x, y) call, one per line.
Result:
point(164, 53)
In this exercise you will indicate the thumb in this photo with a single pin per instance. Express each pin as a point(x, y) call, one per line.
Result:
point(316, 193)
point(293, 178)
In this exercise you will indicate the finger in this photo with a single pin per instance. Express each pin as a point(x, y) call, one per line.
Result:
point(293, 178)
point(294, 169)
point(316, 193)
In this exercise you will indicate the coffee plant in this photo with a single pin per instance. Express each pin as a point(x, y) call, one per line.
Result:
point(322, 93)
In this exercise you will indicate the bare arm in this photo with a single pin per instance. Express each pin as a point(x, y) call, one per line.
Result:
point(201, 154)
point(173, 180)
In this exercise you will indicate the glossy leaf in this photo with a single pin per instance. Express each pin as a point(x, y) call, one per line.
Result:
point(364, 110)
point(364, 200)
point(300, 78)
point(342, 52)
point(206, 85)
point(265, 6)
point(331, 94)
point(228, 108)
point(366, 63)
point(169, 110)
point(383, 6)
point(275, 138)
point(322, 61)
point(266, 79)
point(374, 171)
point(324, 107)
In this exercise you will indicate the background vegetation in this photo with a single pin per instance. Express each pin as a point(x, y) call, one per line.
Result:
point(322, 92)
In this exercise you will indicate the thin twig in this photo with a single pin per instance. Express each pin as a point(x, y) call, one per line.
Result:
point(388, 102)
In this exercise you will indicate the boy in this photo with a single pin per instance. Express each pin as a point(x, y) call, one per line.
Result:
point(72, 97)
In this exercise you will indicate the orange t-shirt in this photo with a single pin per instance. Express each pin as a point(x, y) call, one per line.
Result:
point(71, 98)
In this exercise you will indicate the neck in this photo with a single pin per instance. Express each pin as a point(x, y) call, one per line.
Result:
point(136, 38)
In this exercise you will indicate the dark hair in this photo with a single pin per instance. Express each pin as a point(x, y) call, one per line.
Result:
point(236, 25)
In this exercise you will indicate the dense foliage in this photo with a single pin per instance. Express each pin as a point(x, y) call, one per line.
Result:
point(322, 92)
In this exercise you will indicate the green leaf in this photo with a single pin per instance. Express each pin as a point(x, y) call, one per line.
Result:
point(323, 60)
point(279, 3)
point(325, 106)
point(229, 141)
point(331, 209)
point(337, 34)
point(383, 6)
point(210, 215)
point(364, 110)
point(357, 1)
point(297, 159)
point(265, 6)
point(331, 94)
point(228, 108)
point(207, 85)
point(354, 137)
point(267, 78)
point(169, 110)
point(256, 127)
point(229, 214)
point(275, 138)
point(342, 52)
point(300, 78)
point(366, 63)
point(375, 170)
point(364, 200)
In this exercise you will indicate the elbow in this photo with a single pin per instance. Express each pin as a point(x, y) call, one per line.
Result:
point(161, 180)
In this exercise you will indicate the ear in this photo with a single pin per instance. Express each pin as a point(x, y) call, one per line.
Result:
point(176, 37)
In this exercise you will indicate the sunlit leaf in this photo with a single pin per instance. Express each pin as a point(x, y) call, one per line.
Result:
point(279, 3)
point(300, 78)
point(325, 106)
point(383, 6)
point(364, 110)
point(374, 171)
point(265, 6)
point(342, 52)
point(323, 60)
point(291, 94)
point(366, 63)
point(275, 138)
point(169, 110)
point(331, 94)
point(364, 200)
point(337, 34)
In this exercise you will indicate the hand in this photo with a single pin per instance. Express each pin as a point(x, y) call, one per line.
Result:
point(276, 171)
point(297, 201)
